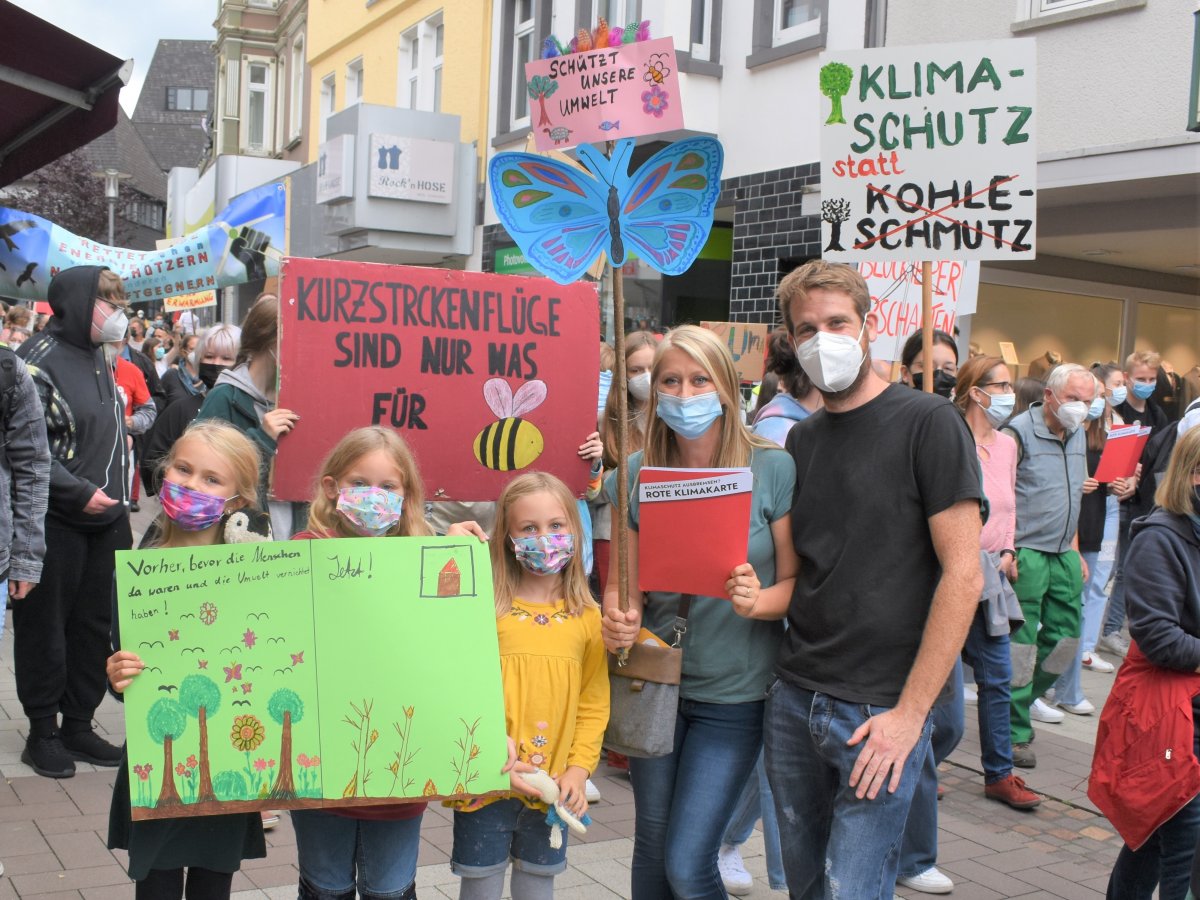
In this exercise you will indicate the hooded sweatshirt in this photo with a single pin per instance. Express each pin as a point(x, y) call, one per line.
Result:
point(776, 419)
point(84, 419)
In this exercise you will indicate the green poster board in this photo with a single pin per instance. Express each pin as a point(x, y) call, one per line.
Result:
point(305, 674)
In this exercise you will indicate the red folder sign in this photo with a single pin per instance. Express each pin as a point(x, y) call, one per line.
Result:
point(1121, 453)
point(694, 528)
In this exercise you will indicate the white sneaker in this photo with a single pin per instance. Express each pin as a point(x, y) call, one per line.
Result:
point(734, 876)
point(970, 695)
point(1097, 663)
point(1114, 643)
point(1083, 708)
point(931, 881)
point(591, 792)
point(1040, 712)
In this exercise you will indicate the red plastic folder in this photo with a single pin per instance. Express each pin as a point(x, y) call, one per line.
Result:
point(694, 528)
point(1121, 453)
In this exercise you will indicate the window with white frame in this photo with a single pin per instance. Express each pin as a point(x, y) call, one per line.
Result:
point(256, 125)
point(296, 112)
point(784, 28)
point(523, 51)
point(420, 85)
point(617, 13)
point(354, 82)
point(1049, 7)
point(701, 38)
point(794, 20)
point(524, 25)
point(328, 100)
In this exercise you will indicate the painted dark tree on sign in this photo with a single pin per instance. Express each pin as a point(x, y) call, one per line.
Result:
point(835, 212)
point(541, 87)
point(286, 708)
point(166, 721)
point(199, 696)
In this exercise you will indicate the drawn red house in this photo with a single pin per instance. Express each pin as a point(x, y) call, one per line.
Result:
point(449, 580)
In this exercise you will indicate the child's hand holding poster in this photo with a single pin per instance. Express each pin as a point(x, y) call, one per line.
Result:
point(694, 528)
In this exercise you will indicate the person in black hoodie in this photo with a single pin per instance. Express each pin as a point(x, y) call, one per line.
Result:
point(61, 630)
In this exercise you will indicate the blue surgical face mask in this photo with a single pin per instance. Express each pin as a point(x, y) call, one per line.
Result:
point(692, 417)
point(1001, 408)
point(1096, 410)
point(1118, 395)
point(1143, 389)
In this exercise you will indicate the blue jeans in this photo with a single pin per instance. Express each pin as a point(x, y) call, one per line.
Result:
point(338, 855)
point(1100, 565)
point(3, 604)
point(1163, 862)
point(1115, 618)
point(683, 801)
point(485, 840)
point(756, 801)
point(834, 845)
point(991, 661)
point(918, 851)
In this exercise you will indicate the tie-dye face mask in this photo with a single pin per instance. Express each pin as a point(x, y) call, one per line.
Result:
point(191, 510)
point(544, 554)
point(371, 511)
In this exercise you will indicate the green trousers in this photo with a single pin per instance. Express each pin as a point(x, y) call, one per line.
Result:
point(1049, 586)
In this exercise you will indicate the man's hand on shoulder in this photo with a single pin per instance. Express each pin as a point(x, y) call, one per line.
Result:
point(890, 737)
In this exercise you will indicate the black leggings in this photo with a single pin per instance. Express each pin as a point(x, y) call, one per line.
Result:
point(167, 884)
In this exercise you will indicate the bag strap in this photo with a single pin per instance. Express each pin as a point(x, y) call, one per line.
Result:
point(681, 617)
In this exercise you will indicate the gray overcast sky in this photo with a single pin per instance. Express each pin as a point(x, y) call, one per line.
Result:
point(129, 28)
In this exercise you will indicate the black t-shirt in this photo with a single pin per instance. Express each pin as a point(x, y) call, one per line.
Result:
point(1152, 416)
point(867, 482)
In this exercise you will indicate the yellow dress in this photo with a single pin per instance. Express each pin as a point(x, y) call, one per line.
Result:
point(555, 678)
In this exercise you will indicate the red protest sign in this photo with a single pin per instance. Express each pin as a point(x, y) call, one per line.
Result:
point(483, 375)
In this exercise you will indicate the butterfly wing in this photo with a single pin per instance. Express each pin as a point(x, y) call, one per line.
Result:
point(667, 206)
point(556, 213)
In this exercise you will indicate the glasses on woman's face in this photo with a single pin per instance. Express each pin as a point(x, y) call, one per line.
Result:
point(1005, 386)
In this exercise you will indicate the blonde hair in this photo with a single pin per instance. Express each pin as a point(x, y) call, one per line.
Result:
point(822, 275)
point(636, 410)
point(1142, 358)
point(507, 571)
point(323, 517)
point(1176, 491)
point(234, 448)
point(737, 441)
point(110, 287)
point(608, 357)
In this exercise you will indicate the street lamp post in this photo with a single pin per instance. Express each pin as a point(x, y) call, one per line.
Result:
point(112, 189)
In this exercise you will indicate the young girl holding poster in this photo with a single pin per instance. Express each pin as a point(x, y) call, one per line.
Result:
point(553, 666)
point(210, 475)
point(368, 486)
point(682, 807)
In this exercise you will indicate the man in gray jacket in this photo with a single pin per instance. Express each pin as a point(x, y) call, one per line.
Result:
point(1051, 469)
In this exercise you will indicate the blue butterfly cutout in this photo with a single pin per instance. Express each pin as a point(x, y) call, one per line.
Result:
point(563, 218)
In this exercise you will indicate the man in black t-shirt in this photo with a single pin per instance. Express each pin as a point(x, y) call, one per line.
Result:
point(886, 523)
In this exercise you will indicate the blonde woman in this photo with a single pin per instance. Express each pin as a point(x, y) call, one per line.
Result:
point(684, 800)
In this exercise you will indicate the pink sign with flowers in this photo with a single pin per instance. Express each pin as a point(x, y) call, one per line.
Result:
point(604, 94)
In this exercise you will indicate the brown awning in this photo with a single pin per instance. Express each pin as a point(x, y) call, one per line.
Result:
point(57, 92)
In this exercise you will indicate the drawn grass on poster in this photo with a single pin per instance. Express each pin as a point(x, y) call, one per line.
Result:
point(364, 739)
point(461, 761)
point(402, 756)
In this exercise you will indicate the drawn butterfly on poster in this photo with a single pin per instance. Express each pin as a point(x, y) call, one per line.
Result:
point(562, 218)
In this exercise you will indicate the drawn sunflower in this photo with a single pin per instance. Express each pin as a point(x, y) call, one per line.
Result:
point(247, 734)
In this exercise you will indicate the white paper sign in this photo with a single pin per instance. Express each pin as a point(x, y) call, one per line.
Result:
point(929, 152)
point(404, 168)
point(730, 481)
point(895, 288)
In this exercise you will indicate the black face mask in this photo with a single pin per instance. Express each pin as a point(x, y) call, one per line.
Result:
point(209, 373)
point(943, 383)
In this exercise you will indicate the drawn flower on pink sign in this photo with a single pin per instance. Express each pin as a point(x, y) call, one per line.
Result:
point(654, 101)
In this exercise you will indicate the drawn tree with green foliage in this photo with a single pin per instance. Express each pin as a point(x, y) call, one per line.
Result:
point(199, 696)
point(166, 721)
point(540, 87)
point(835, 84)
point(286, 708)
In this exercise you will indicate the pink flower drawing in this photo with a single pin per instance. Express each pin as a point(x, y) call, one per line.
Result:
point(654, 101)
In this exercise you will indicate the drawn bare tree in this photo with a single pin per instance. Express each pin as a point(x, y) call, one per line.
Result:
point(835, 212)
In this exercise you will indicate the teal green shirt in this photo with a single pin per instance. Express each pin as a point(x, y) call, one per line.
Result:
point(726, 658)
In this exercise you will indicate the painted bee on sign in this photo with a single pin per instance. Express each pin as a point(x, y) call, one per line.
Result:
point(511, 442)
point(656, 72)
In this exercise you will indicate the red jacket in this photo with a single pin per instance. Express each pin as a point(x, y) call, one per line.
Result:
point(1144, 769)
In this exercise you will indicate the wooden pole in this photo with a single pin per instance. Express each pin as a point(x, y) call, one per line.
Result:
point(620, 385)
point(927, 327)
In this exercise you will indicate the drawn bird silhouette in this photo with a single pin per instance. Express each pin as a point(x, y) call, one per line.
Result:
point(241, 703)
point(9, 229)
point(168, 687)
point(27, 275)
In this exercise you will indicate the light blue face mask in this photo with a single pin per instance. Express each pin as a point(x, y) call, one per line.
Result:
point(692, 417)
point(1096, 410)
point(1118, 395)
point(1143, 389)
point(1001, 408)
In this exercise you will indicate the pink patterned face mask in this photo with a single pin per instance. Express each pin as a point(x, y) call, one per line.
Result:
point(371, 511)
point(544, 554)
point(191, 510)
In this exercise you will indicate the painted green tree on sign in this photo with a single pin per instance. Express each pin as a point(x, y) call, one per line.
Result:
point(166, 721)
point(199, 696)
point(835, 84)
point(540, 87)
point(286, 708)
